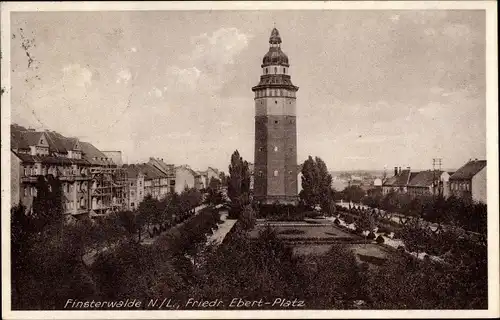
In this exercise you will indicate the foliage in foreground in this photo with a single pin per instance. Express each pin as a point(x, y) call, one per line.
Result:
point(49, 268)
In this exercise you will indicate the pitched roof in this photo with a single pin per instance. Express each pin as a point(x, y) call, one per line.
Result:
point(150, 171)
point(132, 170)
point(15, 139)
point(399, 180)
point(425, 178)
point(56, 142)
point(30, 138)
point(27, 158)
point(93, 155)
point(188, 168)
point(24, 139)
point(469, 170)
point(69, 143)
point(167, 169)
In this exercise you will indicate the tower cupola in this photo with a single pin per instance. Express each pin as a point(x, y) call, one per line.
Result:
point(275, 56)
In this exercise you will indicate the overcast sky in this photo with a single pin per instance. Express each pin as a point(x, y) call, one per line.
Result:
point(377, 88)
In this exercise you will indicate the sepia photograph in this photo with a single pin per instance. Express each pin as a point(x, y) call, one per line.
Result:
point(249, 159)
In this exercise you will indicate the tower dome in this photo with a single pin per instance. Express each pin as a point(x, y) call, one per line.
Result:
point(275, 56)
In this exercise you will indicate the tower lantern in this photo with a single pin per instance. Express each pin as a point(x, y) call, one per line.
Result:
point(275, 173)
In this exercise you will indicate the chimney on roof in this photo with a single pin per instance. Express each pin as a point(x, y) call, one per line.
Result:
point(395, 171)
point(409, 169)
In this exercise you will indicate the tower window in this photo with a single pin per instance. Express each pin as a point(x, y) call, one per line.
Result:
point(275, 70)
point(275, 173)
point(284, 70)
point(267, 71)
point(276, 101)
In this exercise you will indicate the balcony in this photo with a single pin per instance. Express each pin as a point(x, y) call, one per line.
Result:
point(73, 177)
point(29, 179)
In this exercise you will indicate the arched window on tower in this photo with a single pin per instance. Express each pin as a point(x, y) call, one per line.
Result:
point(275, 70)
point(267, 71)
point(284, 70)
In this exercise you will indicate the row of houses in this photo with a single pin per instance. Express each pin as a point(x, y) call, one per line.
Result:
point(93, 181)
point(469, 182)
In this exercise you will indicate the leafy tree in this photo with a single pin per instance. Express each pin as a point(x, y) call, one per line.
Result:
point(47, 213)
point(353, 194)
point(133, 223)
point(214, 196)
point(366, 221)
point(415, 235)
point(239, 180)
point(150, 210)
point(316, 184)
point(247, 218)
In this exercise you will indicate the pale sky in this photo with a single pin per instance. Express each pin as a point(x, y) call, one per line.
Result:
point(377, 88)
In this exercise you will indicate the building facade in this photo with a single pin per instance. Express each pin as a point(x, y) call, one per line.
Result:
point(135, 186)
point(275, 173)
point(42, 154)
point(469, 181)
point(185, 178)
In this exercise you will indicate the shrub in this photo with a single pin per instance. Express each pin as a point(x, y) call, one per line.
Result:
point(247, 218)
point(371, 236)
point(380, 240)
point(349, 219)
point(385, 229)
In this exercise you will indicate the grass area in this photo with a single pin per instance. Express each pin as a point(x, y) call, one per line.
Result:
point(306, 232)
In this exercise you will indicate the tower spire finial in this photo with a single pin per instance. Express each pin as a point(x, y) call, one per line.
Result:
point(275, 37)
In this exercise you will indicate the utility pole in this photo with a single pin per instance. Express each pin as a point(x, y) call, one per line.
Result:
point(436, 163)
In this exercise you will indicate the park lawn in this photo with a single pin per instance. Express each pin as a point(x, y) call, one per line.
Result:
point(305, 231)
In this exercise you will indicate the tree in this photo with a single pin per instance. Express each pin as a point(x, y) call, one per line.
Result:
point(416, 236)
point(133, 223)
point(316, 184)
point(150, 210)
point(247, 218)
point(223, 178)
point(353, 193)
point(366, 221)
point(239, 179)
point(47, 213)
point(214, 196)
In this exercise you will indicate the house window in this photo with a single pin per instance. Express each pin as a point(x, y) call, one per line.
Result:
point(276, 121)
point(131, 204)
point(275, 173)
point(25, 192)
point(276, 101)
point(261, 174)
point(261, 149)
